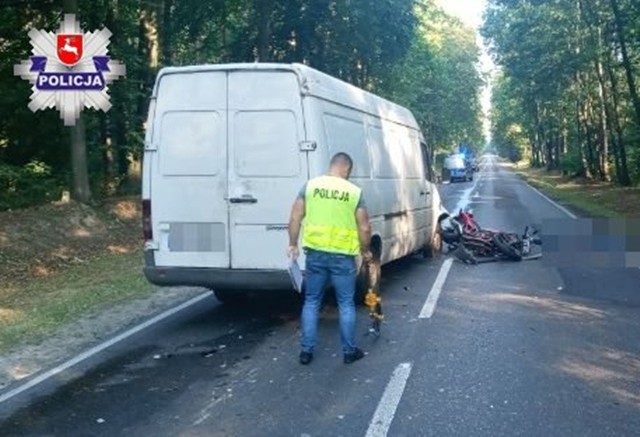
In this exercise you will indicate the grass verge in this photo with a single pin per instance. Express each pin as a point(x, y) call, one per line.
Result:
point(32, 310)
point(595, 199)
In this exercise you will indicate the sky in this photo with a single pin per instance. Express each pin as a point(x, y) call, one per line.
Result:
point(470, 12)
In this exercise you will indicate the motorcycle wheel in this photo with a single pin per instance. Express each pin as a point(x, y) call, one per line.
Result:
point(509, 251)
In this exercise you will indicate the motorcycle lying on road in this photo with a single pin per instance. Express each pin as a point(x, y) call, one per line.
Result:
point(473, 244)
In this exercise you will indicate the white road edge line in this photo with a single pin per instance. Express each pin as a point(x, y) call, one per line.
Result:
point(553, 202)
point(99, 348)
point(382, 418)
point(432, 299)
point(548, 199)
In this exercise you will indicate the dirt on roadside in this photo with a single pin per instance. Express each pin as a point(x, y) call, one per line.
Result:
point(39, 241)
point(62, 244)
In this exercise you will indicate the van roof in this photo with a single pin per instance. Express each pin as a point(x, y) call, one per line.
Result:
point(315, 83)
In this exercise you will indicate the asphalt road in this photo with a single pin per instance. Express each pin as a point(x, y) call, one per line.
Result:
point(512, 349)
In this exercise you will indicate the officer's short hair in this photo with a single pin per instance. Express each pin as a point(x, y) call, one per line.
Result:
point(342, 158)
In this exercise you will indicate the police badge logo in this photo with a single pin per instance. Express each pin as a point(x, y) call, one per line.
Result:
point(69, 48)
point(70, 70)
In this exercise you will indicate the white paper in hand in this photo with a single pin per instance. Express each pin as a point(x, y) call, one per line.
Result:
point(296, 275)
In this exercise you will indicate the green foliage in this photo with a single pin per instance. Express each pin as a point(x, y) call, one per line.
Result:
point(634, 164)
point(509, 133)
point(31, 184)
point(407, 50)
point(566, 93)
point(439, 80)
point(571, 164)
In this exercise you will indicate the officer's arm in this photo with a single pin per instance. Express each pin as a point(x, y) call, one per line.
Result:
point(295, 221)
point(364, 229)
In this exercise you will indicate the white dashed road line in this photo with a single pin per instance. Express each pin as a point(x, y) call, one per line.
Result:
point(383, 416)
point(465, 199)
point(432, 299)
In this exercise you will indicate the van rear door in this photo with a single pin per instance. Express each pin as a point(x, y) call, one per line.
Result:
point(266, 165)
point(188, 161)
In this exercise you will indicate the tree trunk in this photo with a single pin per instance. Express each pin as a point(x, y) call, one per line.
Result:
point(80, 189)
point(603, 163)
point(167, 32)
point(592, 150)
point(565, 137)
point(626, 62)
point(263, 23)
point(123, 118)
point(584, 171)
point(109, 148)
point(149, 19)
point(549, 153)
point(623, 177)
point(223, 52)
point(536, 137)
point(553, 151)
point(108, 153)
point(148, 49)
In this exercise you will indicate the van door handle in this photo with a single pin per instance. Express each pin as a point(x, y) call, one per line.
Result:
point(247, 199)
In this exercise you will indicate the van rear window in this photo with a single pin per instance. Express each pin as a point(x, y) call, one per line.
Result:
point(265, 144)
point(191, 143)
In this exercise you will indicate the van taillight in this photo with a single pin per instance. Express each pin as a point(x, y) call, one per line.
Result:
point(146, 220)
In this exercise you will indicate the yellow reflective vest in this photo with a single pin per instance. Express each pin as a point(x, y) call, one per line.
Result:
point(330, 216)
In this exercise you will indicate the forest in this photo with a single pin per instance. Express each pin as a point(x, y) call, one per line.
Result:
point(409, 51)
point(566, 95)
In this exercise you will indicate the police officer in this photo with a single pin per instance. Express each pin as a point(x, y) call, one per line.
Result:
point(336, 230)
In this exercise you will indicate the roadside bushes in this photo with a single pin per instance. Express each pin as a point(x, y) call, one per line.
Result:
point(571, 164)
point(634, 165)
point(512, 152)
point(31, 184)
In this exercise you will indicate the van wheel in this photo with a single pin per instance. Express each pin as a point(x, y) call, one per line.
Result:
point(434, 248)
point(230, 297)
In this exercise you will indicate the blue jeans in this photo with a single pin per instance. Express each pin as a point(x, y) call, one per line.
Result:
point(321, 267)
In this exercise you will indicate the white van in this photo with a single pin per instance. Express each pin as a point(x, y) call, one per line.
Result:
point(227, 149)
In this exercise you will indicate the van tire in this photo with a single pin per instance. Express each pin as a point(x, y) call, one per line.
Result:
point(434, 248)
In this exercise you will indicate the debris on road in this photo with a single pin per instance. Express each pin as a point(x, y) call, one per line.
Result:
point(209, 354)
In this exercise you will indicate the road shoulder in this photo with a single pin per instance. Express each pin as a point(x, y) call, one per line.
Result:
point(24, 361)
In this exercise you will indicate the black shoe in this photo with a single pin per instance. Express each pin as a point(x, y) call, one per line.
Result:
point(306, 357)
point(354, 356)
